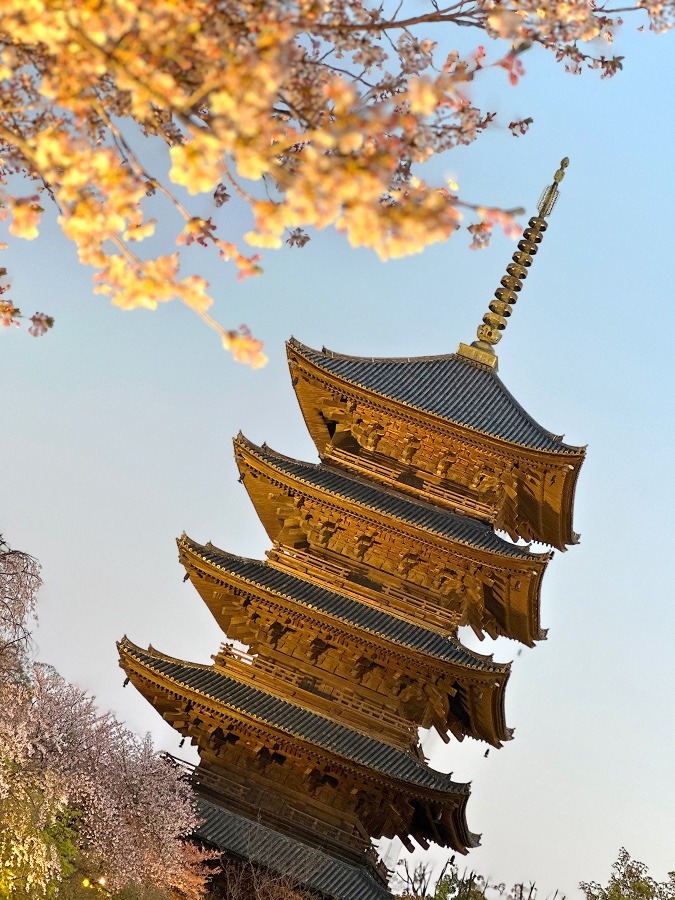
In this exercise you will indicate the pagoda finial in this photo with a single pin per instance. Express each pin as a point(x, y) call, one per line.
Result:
point(494, 321)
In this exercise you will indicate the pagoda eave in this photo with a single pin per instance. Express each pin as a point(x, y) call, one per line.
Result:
point(398, 794)
point(245, 837)
point(428, 436)
point(382, 626)
point(437, 660)
point(413, 517)
point(346, 747)
point(430, 420)
point(500, 593)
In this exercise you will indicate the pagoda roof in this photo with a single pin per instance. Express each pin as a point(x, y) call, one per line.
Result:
point(263, 575)
point(452, 387)
point(384, 501)
point(295, 721)
point(334, 878)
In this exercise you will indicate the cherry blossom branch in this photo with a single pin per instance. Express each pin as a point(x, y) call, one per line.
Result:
point(441, 16)
point(139, 169)
point(262, 102)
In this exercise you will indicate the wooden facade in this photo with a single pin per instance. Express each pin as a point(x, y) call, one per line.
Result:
point(308, 738)
point(420, 426)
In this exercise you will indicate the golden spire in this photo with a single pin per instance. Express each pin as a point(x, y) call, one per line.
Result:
point(494, 321)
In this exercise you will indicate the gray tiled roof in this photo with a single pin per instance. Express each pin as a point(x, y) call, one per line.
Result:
point(280, 853)
point(442, 522)
point(309, 726)
point(373, 620)
point(451, 387)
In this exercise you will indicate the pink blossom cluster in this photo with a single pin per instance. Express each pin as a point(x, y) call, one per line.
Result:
point(11, 314)
point(315, 114)
point(63, 760)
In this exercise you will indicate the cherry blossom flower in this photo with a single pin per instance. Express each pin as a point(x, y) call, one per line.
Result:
point(513, 66)
point(63, 760)
point(520, 126)
point(314, 114)
point(9, 314)
point(41, 324)
point(245, 348)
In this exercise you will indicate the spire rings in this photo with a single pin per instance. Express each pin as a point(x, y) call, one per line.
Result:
point(500, 308)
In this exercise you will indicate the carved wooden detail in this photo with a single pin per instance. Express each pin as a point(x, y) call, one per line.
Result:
point(524, 492)
point(339, 792)
point(339, 670)
point(494, 595)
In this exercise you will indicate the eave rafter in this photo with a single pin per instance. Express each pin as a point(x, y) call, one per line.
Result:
point(495, 588)
point(164, 681)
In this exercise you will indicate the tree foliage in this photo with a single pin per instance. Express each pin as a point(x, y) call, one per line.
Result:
point(242, 880)
point(419, 883)
point(630, 880)
point(19, 583)
point(81, 797)
point(315, 113)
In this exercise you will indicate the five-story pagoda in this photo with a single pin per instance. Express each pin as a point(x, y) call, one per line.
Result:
point(308, 741)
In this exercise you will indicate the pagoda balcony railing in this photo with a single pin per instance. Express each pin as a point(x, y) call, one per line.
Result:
point(348, 700)
point(187, 767)
point(242, 656)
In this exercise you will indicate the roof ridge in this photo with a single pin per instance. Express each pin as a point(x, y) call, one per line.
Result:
point(334, 354)
point(209, 545)
point(135, 649)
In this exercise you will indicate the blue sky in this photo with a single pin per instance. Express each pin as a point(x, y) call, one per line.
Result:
point(117, 435)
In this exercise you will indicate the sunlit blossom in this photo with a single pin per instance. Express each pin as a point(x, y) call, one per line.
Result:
point(314, 115)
